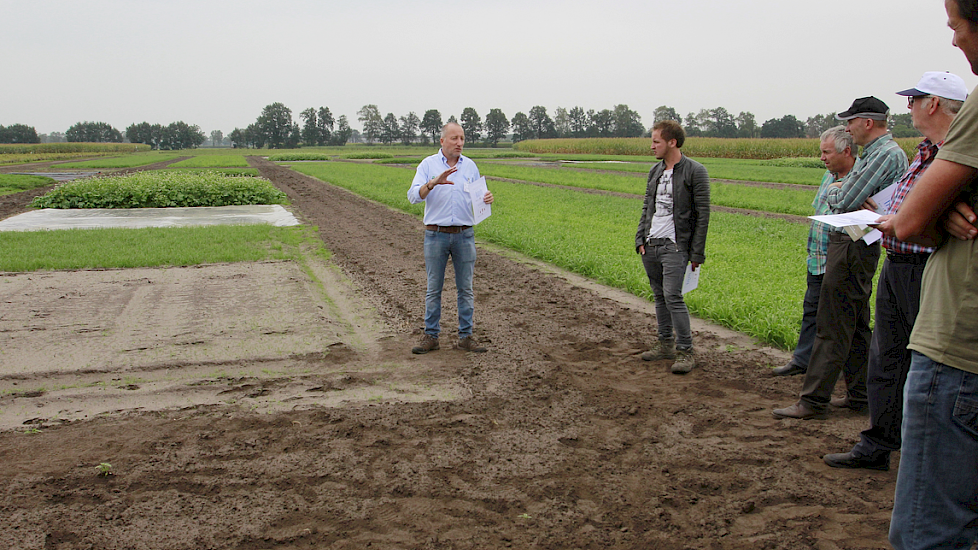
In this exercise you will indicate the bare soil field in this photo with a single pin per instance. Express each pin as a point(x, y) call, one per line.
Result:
point(256, 406)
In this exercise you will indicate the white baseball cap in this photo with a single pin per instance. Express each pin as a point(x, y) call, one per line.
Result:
point(946, 85)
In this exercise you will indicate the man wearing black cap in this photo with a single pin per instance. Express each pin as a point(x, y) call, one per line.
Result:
point(933, 104)
point(842, 334)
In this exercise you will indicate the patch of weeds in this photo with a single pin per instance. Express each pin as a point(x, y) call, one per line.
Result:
point(104, 469)
point(32, 431)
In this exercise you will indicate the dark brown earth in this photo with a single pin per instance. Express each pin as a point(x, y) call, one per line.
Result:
point(563, 438)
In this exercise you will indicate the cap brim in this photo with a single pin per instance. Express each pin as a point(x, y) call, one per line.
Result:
point(873, 116)
point(913, 92)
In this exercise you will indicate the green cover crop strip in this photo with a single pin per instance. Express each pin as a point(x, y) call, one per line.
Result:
point(753, 280)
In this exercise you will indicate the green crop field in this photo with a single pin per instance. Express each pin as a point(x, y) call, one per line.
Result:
point(695, 147)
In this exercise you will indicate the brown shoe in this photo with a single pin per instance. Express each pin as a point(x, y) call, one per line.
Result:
point(799, 410)
point(663, 349)
point(469, 344)
point(684, 361)
point(427, 343)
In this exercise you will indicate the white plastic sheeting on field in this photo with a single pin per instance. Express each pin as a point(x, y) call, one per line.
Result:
point(92, 218)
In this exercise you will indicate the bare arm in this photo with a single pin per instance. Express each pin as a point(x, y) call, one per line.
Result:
point(930, 197)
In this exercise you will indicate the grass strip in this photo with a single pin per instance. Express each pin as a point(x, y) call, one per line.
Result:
point(594, 236)
point(128, 161)
point(729, 169)
point(212, 161)
point(782, 201)
point(150, 247)
point(15, 183)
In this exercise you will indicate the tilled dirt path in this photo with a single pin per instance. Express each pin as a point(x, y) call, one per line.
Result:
point(560, 437)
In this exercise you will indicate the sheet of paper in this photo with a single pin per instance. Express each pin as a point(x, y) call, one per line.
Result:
point(884, 198)
point(477, 192)
point(859, 217)
point(692, 278)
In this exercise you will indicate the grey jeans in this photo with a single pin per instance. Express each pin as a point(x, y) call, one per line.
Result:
point(666, 268)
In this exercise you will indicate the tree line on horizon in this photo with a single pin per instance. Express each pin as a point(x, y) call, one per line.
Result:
point(275, 128)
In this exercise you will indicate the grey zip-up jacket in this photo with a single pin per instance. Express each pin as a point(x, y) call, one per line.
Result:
point(691, 207)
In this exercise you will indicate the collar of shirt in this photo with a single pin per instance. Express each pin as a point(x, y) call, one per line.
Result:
point(926, 151)
point(876, 143)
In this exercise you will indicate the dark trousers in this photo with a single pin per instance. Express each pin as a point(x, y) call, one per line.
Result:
point(897, 303)
point(842, 333)
point(809, 309)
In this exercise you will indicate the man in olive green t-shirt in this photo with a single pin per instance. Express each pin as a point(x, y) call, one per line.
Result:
point(936, 499)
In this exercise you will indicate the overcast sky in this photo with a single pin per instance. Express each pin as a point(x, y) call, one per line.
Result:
point(216, 64)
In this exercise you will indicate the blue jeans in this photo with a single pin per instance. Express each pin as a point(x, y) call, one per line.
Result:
point(809, 309)
point(666, 267)
point(437, 249)
point(936, 500)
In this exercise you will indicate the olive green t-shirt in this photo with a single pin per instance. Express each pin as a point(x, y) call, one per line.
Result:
point(946, 329)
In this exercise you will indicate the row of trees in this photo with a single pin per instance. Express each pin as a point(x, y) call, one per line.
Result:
point(18, 133)
point(719, 122)
point(275, 129)
point(538, 124)
point(93, 132)
point(176, 135)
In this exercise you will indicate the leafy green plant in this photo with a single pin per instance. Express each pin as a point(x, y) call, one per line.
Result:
point(161, 190)
point(104, 469)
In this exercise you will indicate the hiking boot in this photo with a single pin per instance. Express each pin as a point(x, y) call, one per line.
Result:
point(469, 344)
point(663, 349)
point(427, 343)
point(684, 361)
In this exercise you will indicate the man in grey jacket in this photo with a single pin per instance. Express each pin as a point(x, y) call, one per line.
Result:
point(672, 233)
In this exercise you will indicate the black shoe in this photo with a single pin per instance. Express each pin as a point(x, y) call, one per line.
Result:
point(790, 369)
point(846, 403)
point(849, 460)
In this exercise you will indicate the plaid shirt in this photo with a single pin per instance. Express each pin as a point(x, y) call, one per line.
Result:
point(926, 151)
point(880, 165)
point(818, 234)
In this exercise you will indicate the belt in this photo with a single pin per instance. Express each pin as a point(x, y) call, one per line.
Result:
point(915, 258)
point(447, 228)
point(658, 241)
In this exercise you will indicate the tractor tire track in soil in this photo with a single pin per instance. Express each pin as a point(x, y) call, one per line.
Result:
point(565, 439)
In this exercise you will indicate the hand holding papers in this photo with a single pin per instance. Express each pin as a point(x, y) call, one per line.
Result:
point(477, 193)
point(692, 278)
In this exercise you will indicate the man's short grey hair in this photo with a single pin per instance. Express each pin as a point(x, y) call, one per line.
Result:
point(840, 138)
point(949, 107)
point(444, 129)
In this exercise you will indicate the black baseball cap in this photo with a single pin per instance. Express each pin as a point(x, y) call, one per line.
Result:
point(865, 107)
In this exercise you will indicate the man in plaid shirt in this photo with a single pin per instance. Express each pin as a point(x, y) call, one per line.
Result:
point(933, 104)
point(839, 155)
point(842, 334)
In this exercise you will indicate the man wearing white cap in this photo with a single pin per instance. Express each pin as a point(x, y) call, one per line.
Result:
point(842, 333)
point(933, 104)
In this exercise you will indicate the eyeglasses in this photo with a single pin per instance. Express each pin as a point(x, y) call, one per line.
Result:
point(911, 99)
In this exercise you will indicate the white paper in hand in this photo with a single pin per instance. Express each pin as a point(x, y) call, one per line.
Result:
point(692, 278)
point(477, 192)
